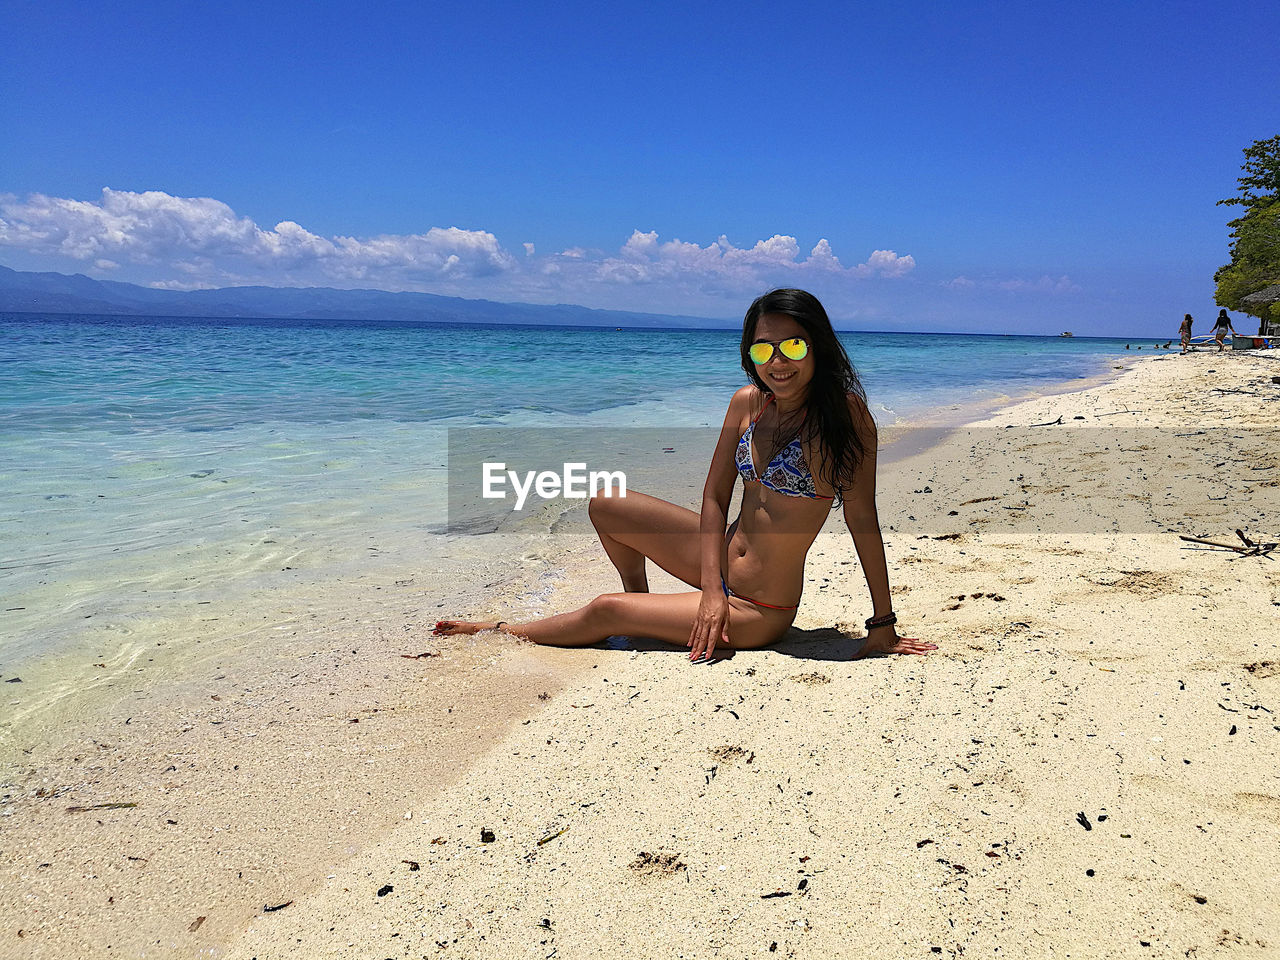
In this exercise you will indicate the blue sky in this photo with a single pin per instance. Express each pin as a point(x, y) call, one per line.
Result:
point(1005, 167)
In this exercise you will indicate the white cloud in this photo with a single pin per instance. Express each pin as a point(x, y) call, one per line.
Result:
point(155, 228)
point(179, 285)
point(886, 263)
point(645, 259)
point(640, 246)
point(196, 242)
point(1045, 284)
point(821, 256)
point(131, 226)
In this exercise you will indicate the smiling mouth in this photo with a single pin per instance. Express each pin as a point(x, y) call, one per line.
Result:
point(781, 377)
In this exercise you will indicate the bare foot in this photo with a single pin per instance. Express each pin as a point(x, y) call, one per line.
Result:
point(462, 628)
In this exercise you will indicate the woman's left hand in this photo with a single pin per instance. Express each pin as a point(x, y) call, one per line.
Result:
point(710, 626)
point(882, 641)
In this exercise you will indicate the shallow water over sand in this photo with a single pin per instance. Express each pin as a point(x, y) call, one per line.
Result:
point(176, 487)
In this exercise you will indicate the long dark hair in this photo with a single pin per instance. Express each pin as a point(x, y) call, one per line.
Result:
point(827, 405)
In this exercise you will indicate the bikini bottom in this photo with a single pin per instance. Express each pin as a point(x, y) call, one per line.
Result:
point(758, 603)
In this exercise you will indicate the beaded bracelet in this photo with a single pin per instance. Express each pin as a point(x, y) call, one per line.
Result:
point(888, 620)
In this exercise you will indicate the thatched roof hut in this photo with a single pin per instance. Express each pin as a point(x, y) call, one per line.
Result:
point(1257, 304)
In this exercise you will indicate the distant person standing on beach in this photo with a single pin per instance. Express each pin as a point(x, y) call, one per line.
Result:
point(1185, 331)
point(1221, 327)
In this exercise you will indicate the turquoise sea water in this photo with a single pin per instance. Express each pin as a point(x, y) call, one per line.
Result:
point(144, 375)
point(147, 465)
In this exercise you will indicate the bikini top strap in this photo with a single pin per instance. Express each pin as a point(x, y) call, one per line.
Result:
point(767, 400)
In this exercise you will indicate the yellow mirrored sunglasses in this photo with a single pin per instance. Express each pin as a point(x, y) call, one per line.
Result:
point(761, 352)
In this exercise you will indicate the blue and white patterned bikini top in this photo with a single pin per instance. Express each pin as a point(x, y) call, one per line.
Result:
point(787, 473)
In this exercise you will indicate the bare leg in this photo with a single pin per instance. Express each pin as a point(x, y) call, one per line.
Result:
point(666, 617)
point(637, 526)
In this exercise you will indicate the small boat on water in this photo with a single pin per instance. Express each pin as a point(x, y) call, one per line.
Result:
point(1066, 333)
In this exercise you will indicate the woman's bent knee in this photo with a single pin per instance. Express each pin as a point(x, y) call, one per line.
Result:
point(606, 501)
point(607, 609)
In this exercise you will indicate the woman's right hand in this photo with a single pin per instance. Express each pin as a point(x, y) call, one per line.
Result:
point(710, 626)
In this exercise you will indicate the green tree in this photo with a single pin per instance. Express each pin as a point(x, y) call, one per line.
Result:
point(1261, 182)
point(1255, 236)
point(1255, 257)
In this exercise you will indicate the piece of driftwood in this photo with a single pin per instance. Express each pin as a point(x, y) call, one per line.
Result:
point(102, 806)
point(1252, 550)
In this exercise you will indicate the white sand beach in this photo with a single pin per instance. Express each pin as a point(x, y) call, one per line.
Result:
point(1088, 766)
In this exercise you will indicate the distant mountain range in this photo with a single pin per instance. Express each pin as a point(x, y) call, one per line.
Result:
point(77, 294)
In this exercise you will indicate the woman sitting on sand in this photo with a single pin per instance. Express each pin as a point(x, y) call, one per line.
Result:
point(804, 406)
